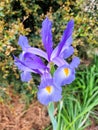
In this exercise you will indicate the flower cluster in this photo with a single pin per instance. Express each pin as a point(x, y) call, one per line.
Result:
point(30, 61)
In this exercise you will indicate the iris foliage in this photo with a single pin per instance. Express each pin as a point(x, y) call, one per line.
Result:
point(80, 100)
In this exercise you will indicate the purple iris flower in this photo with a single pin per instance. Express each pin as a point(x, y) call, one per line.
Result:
point(65, 74)
point(48, 90)
point(57, 55)
point(27, 63)
point(30, 61)
point(64, 48)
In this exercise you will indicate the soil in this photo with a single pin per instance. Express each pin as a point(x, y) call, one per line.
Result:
point(16, 116)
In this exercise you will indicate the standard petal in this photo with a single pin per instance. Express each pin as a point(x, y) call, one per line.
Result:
point(66, 35)
point(38, 52)
point(26, 76)
point(75, 62)
point(33, 61)
point(47, 36)
point(69, 41)
point(21, 66)
point(23, 42)
point(24, 66)
point(67, 44)
point(59, 61)
point(67, 52)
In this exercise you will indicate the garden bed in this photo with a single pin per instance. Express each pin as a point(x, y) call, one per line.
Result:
point(16, 116)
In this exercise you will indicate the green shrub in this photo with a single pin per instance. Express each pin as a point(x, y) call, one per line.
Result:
point(25, 17)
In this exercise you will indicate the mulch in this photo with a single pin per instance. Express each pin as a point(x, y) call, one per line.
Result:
point(16, 116)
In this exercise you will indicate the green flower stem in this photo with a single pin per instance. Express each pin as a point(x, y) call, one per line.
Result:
point(59, 115)
point(51, 115)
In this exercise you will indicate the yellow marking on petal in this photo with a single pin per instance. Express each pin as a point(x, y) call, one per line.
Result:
point(49, 89)
point(66, 71)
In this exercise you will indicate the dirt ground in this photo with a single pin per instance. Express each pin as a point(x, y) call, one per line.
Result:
point(18, 118)
point(15, 116)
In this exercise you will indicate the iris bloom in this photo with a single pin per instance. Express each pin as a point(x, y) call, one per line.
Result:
point(65, 74)
point(56, 56)
point(64, 48)
point(27, 63)
point(30, 61)
point(48, 91)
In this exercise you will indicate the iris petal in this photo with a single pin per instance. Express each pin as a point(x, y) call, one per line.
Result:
point(66, 35)
point(66, 46)
point(33, 61)
point(26, 76)
point(67, 52)
point(48, 92)
point(59, 61)
point(64, 75)
point(47, 36)
point(21, 66)
point(75, 62)
point(38, 52)
point(49, 89)
point(23, 42)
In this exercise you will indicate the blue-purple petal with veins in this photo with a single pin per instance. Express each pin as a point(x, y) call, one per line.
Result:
point(46, 34)
point(34, 61)
point(23, 42)
point(46, 97)
point(75, 62)
point(67, 52)
point(66, 35)
point(26, 76)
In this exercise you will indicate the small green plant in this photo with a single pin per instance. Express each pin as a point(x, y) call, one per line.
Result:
point(80, 100)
